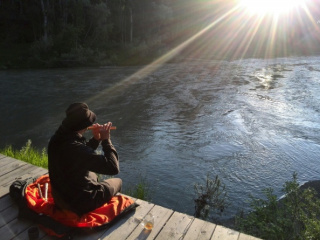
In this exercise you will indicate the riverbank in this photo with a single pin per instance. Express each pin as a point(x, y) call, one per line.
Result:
point(315, 184)
point(21, 56)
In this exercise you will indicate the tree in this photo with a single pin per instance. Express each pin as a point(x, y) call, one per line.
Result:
point(44, 8)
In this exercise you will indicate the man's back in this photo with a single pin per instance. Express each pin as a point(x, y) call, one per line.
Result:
point(72, 163)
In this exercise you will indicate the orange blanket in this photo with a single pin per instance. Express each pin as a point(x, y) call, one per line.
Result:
point(98, 217)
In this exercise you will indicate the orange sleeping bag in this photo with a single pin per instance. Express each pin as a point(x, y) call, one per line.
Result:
point(97, 218)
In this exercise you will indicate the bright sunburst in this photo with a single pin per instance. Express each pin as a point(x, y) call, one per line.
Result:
point(275, 7)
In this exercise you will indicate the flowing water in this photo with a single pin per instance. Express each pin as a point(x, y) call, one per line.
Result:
point(251, 122)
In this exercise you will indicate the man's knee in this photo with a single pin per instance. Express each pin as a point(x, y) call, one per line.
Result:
point(112, 186)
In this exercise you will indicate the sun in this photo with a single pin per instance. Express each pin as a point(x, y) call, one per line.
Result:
point(275, 7)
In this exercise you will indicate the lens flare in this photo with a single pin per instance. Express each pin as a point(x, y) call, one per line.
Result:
point(275, 7)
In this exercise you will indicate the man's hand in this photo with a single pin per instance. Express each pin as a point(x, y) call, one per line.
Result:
point(105, 131)
point(96, 131)
point(101, 132)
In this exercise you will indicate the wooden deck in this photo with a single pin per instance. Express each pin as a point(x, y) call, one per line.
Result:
point(169, 224)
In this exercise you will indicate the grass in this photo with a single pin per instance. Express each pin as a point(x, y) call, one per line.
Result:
point(139, 190)
point(28, 154)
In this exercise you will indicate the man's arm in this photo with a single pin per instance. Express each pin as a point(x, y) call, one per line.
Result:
point(108, 163)
point(93, 143)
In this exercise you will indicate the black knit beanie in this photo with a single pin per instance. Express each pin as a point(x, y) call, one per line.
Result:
point(78, 117)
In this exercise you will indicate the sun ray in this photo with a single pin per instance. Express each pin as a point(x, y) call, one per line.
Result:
point(160, 61)
point(233, 40)
point(248, 36)
point(274, 7)
point(248, 39)
point(307, 11)
point(271, 39)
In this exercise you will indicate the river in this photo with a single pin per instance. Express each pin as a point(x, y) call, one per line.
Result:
point(252, 122)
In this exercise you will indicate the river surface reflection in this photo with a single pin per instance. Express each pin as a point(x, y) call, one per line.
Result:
point(252, 122)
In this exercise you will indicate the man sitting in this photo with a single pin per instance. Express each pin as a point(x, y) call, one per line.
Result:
point(73, 162)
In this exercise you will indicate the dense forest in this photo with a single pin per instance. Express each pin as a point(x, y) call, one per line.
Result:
point(63, 33)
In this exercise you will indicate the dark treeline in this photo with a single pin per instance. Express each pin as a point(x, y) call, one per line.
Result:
point(82, 31)
point(58, 33)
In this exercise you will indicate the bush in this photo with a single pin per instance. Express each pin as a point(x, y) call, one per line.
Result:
point(293, 217)
point(210, 199)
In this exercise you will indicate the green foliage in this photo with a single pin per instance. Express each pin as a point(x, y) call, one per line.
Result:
point(68, 38)
point(63, 33)
point(28, 154)
point(209, 198)
point(139, 190)
point(293, 217)
point(14, 55)
point(41, 53)
point(98, 28)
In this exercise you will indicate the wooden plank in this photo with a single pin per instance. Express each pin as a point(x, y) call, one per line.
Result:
point(6, 163)
point(223, 233)
point(33, 172)
point(6, 160)
point(11, 167)
point(11, 176)
point(24, 234)
point(176, 227)
point(14, 228)
point(247, 237)
point(16, 173)
point(200, 230)
point(5, 202)
point(123, 228)
point(161, 216)
point(8, 215)
point(2, 156)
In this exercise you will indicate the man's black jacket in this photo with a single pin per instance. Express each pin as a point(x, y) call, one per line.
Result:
point(72, 162)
